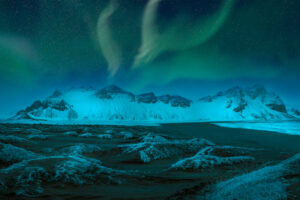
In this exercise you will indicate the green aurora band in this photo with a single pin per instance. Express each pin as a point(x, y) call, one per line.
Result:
point(109, 47)
point(176, 36)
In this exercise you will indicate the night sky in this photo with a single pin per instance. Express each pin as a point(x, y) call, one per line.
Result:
point(185, 47)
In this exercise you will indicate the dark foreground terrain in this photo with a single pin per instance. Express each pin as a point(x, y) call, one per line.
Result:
point(172, 161)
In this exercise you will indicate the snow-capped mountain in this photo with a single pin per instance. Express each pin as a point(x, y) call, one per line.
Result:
point(243, 104)
point(109, 103)
point(114, 103)
point(294, 110)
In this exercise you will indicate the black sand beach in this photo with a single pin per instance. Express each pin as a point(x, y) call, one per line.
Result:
point(89, 162)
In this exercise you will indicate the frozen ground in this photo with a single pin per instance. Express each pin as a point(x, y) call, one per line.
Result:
point(281, 126)
point(288, 127)
point(171, 161)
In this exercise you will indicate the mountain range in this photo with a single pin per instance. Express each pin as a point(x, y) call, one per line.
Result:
point(113, 104)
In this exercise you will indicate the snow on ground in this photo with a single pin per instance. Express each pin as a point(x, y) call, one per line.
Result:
point(70, 133)
point(79, 170)
point(28, 176)
point(29, 181)
point(86, 135)
point(124, 157)
point(213, 156)
point(12, 139)
point(287, 127)
point(104, 136)
point(80, 149)
point(11, 154)
point(154, 147)
point(126, 135)
point(200, 161)
point(268, 183)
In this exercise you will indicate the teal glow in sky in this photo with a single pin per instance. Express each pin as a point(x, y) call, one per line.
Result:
point(146, 45)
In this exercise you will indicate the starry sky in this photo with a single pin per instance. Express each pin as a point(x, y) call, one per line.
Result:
point(186, 47)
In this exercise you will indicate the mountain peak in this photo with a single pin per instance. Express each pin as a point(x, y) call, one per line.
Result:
point(146, 98)
point(112, 89)
point(234, 91)
point(256, 90)
point(55, 94)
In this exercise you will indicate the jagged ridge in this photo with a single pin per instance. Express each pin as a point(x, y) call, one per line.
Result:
point(114, 103)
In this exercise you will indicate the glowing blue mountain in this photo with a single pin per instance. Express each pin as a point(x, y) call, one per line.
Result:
point(253, 103)
point(113, 103)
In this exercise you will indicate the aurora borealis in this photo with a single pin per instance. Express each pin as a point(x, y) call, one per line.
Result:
point(142, 45)
point(154, 42)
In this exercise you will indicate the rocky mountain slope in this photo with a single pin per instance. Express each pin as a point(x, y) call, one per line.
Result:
point(243, 104)
point(114, 103)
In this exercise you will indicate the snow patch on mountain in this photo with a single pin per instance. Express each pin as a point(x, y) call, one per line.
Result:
point(115, 104)
point(253, 103)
